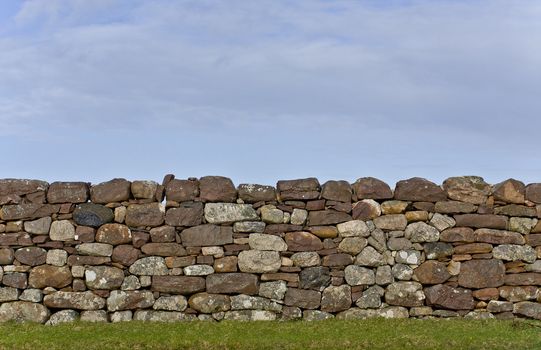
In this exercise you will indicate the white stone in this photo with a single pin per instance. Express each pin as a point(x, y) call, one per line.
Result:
point(57, 257)
point(353, 228)
point(261, 241)
point(198, 270)
point(62, 230)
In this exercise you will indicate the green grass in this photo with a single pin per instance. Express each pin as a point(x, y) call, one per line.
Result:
point(333, 334)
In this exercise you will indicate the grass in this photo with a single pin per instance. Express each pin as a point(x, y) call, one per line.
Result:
point(332, 334)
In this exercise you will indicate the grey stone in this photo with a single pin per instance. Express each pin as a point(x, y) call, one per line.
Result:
point(298, 216)
point(91, 214)
point(442, 222)
point(33, 295)
point(336, 298)
point(250, 315)
point(352, 245)
point(128, 300)
point(93, 316)
point(419, 232)
point(224, 213)
point(370, 257)
point(210, 303)
point(357, 275)
point(121, 316)
point(39, 226)
point(74, 300)
point(384, 275)
point(316, 315)
point(402, 272)
point(62, 230)
point(8, 294)
point(314, 278)
point(522, 225)
point(512, 252)
point(57, 257)
point(130, 282)
point(394, 222)
point(103, 277)
point(271, 215)
point(95, 249)
point(260, 241)
point(23, 311)
point(149, 266)
point(438, 250)
point(306, 259)
point(249, 226)
point(171, 303)
point(247, 302)
point(353, 228)
point(405, 294)
point(275, 290)
point(411, 257)
point(259, 261)
point(371, 298)
point(528, 309)
point(198, 270)
point(161, 316)
point(62, 316)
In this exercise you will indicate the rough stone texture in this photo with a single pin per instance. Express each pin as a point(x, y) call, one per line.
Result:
point(259, 261)
point(144, 189)
point(481, 273)
point(339, 191)
point(178, 284)
point(31, 256)
point(91, 214)
point(67, 192)
point(252, 193)
point(511, 252)
point(275, 290)
point(74, 300)
point(182, 190)
point(303, 298)
point(62, 230)
point(432, 272)
point(116, 190)
point(353, 228)
point(366, 209)
point(528, 309)
point(509, 191)
point(206, 235)
point(482, 221)
point(149, 266)
point(371, 188)
point(217, 189)
point(129, 300)
point(405, 294)
point(267, 242)
point(533, 193)
point(171, 303)
point(232, 283)
point(336, 298)
point(23, 311)
point(187, 214)
point(418, 189)
point(222, 213)
point(114, 234)
point(149, 214)
point(95, 249)
point(396, 222)
point(300, 189)
point(49, 276)
point(302, 241)
point(39, 226)
point(163, 249)
point(419, 232)
point(357, 275)
point(469, 189)
point(449, 298)
point(498, 236)
point(103, 277)
point(314, 278)
point(210, 303)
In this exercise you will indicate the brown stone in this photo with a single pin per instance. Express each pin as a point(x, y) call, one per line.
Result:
point(139, 238)
point(518, 293)
point(232, 283)
point(418, 189)
point(315, 205)
point(365, 210)
point(417, 215)
point(302, 242)
point(426, 206)
point(49, 276)
point(454, 207)
point(163, 249)
point(509, 191)
point(523, 279)
point(87, 260)
point(163, 234)
point(457, 234)
point(114, 234)
point(116, 190)
point(533, 240)
point(31, 256)
point(149, 214)
point(327, 217)
point(473, 248)
point(178, 284)
point(67, 192)
point(486, 294)
point(282, 228)
point(516, 210)
point(337, 260)
point(481, 221)
point(225, 264)
point(533, 193)
point(187, 214)
point(125, 254)
point(469, 189)
point(449, 298)
point(28, 211)
point(324, 231)
point(339, 191)
point(300, 189)
point(498, 236)
point(21, 187)
point(206, 235)
point(217, 189)
point(6, 256)
point(15, 280)
point(303, 298)
point(179, 261)
point(85, 234)
point(336, 298)
point(181, 190)
point(371, 188)
point(432, 272)
point(481, 273)
point(252, 193)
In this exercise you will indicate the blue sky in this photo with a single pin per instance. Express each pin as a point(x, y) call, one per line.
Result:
point(267, 90)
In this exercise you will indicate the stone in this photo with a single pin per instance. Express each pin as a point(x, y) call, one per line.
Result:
point(371, 298)
point(371, 188)
point(535, 267)
point(442, 222)
point(39, 226)
point(316, 315)
point(163, 249)
point(49, 276)
point(420, 232)
point(21, 187)
point(120, 214)
point(210, 303)
point(306, 259)
point(271, 215)
point(454, 207)
point(432, 272)
point(300, 189)
point(336, 298)
point(198, 270)
point(302, 242)
point(249, 226)
point(233, 283)
point(171, 303)
point(533, 193)
point(339, 191)
point(260, 241)
point(8, 294)
point(366, 209)
point(399, 243)
point(130, 283)
point(149, 266)
point(418, 189)
point(411, 257)
point(416, 215)
point(499, 306)
point(384, 275)
point(516, 210)
point(298, 216)
point(357, 275)
point(274, 290)
point(57, 257)
point(103, 277)
point(33, 295)
point(91, 214)
point(95, 249)
point(370, 257)
point(469, 189)
point(528, 309)
point(327, 217)
point(458, 234)
point(481, 221)
point(181, 190)
point(512, 252)
point(518, 293)
point(221, 213)
point(393, 207)
point(352, 245)
point(449, 297)
point(23, 311)
point(67, 192)
point(149, 214)
point(62, 316)
point(129, 300)
point(187, 214)
point(394, 222)
point(114, 234)
point(27, 211)
point(93, 316)
point(62, 230)
point(337, 260)
point(509, 191)
point(31, 256)
point(246, 302)
point(402, 272)
point(324, 231)
point(314, 278)
point(353, 228)
point(357, 314)
point(116, 190)
point(250, 315)
point(121, 316)
point(206, 235)
point(178, 284)
point(405, 294)
point(438, 250)
point(252, 193)
point(144, 189)
point(303, 298)
point(163, 234)
point(226, 264)
point(522, 225)
point(217, 189)
point(87, 260)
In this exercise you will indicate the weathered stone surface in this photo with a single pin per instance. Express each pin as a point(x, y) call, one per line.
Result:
point(247, 302)
point(249, 226)
point(221, 213)
point(90, 214)
point(62, 230)
point(300, 189)
point(171, 303)
point(442, 222)
point(327, 217)
point(149, 266)
point(418, 189)
point(432, 272)
point(522, 225)
point(163, 234)
point(275, 290)
point(498, 236)
point(357, 275)
point(405, 294)
point(178, 284)
point(49, 276)
point(481, 273)
point(39, 226)
point(419, 232)
point(352, 245)
point(21, 187)
point(302, 242)
point(353, 228)
point(6, 256)
point(303, 298)
point(144, 189)
point(371, 188)
point(233, 283)
point(271, 215)
point(324, 231)
point(370, 257)
point(23, 311)
point(458, 234)
point(67, 192)
point(393, 207)
point(114, 234)
point(366, 209)
point(149, 214)
point(116, 190)
point(226, 264)
point(250, 315)
point(79, 260)
point(93, 316)
point(187, 214)
point(371, 298)
point(336, 298)
point(306, 259)
point(206, 235)
point(512, 252)
point(15, 280)
point(394, 222)
point(298, 216)
point(518, 293)
point(27, 211)
point(469, 189)
point(438, 250)
point(412, 257)
point(399, 243)
point(74, 300)
point(314, 278)
point(516, 210)
point(449, 298)
point(337, 260)
point(62, 316)
point(95, 249)
point(336, 191)
point(473, 248)
point(163, 249)
point(182, 190)
point(454, 207)
point(8, 294)
point(509, 191)
point(217, 189)
point(260, 241)
point(103, 277)
point(499, 306)
point(481, 221)
point(259, 261)
point(31, 256)
point(252, 193)
point(533, 193)
point(129, 300)
point(402, 272)
point(528, 309)
point(210, 303)
point(198, 270)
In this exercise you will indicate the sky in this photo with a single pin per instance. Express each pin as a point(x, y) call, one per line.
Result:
point(271, 89)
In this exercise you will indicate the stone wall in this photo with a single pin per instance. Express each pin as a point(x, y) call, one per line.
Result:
point(203, 249)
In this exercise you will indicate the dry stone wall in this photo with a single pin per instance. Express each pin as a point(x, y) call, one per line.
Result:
point(205, 249)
